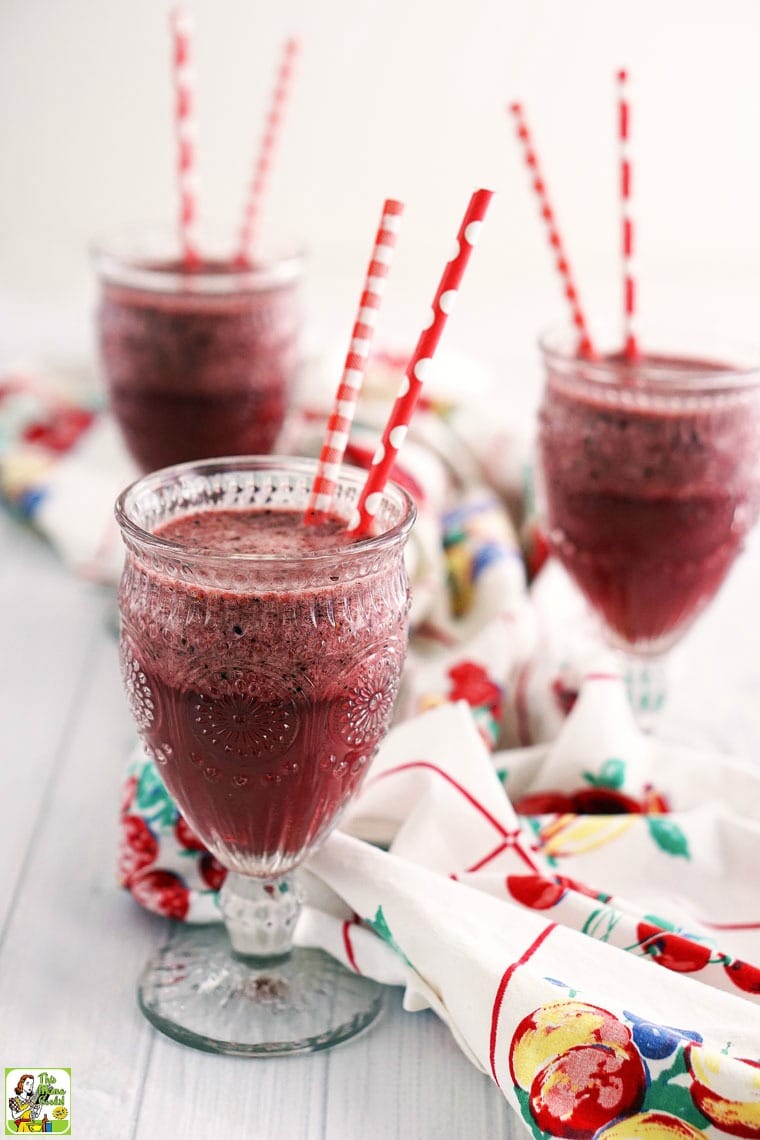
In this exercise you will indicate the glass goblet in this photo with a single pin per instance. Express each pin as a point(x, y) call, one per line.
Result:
point(262, 684)
point(651, 480)
point(198, 361)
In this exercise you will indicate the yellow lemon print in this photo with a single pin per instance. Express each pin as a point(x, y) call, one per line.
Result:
point(575, 834)
point(726, 1090)
point(651, 1126)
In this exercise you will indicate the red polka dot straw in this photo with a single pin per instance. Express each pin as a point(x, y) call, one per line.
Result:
point(262, 167)
point(562, 263)
point(182, 28)
point(418, 368)
point(630, 341)
point(346, 398)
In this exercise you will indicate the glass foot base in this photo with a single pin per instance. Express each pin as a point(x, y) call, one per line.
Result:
point(195, 990)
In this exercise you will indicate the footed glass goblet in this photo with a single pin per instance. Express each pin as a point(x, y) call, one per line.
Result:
point(197, 360)
point(651, 474)
point(261, 659)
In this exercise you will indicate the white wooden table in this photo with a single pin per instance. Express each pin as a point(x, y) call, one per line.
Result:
point(72, 943)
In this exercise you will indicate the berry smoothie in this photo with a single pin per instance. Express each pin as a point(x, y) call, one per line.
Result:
point(652, 483)
point(198, 362)
point(263, 702)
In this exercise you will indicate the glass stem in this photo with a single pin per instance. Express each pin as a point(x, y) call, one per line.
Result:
point(260, 914)
point(647, 683)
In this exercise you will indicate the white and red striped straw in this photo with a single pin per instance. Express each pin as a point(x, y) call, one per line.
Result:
point(263, 164)
point(182, 28)
point(630, 341)
point(347, 396)
point(585, 347)
point(419, 365)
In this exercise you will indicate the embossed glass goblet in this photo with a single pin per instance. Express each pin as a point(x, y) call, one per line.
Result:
point(262, 684)
point(651, 473)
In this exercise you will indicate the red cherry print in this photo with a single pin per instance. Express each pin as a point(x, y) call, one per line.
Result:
point(212, 871)
point(581, 888)
point(538, 553)
point(544, 803)
point(137, 850)
point(564, 696)
point(60, 431)
point(744, 975)
point(472, 684)
point(654, 802)
point(535, 891)
point(603, 801)
point(186, 837)
point(673, 951)
point(162, 892)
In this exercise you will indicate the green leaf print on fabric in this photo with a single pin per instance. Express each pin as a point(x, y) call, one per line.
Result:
point(611, 775)
point(381, 928)
point(668, 836)
point(152, 798)
point(523, 1099)
point(601, 923)
point(670, 1092)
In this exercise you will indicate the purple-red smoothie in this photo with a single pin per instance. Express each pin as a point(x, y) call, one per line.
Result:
point(198, 363)
point(652, 482)
point(264, 704)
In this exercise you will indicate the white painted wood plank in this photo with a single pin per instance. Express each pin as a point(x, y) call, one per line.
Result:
point(74, 942)
point(404, 1078)
point(47, 623)
point(412, 1081)
point(216, 1097)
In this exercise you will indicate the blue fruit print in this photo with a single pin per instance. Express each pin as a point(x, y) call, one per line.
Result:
point(655, 1042)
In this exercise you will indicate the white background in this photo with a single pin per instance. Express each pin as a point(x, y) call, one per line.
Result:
point(404, 98)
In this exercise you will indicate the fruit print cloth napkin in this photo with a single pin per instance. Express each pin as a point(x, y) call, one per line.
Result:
point(604, 969)
point(62, 465)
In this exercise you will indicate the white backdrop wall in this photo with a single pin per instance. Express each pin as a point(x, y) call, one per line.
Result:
point(405, 98)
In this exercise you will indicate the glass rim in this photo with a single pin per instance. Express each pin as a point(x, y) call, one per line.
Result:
point(696, 372)
point(126, 255)
point(300, 465)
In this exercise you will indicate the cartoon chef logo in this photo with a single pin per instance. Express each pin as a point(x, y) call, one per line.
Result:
point(38, 1100)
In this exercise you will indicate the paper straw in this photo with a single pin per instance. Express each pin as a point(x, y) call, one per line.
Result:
point(419, 365)
point(347, 396)
point(630, 341)
point(182, 28)
point(562, 263)
point(262, 167)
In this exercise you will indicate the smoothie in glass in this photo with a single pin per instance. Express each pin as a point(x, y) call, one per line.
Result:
point(197, 362)
point(262, 657)
point(652, 482)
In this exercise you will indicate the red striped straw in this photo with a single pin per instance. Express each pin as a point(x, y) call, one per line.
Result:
point(585, 347)
point(630, 342)
point(182, 28)
point(347, 396)
point(260, 179)
point(419, 365)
